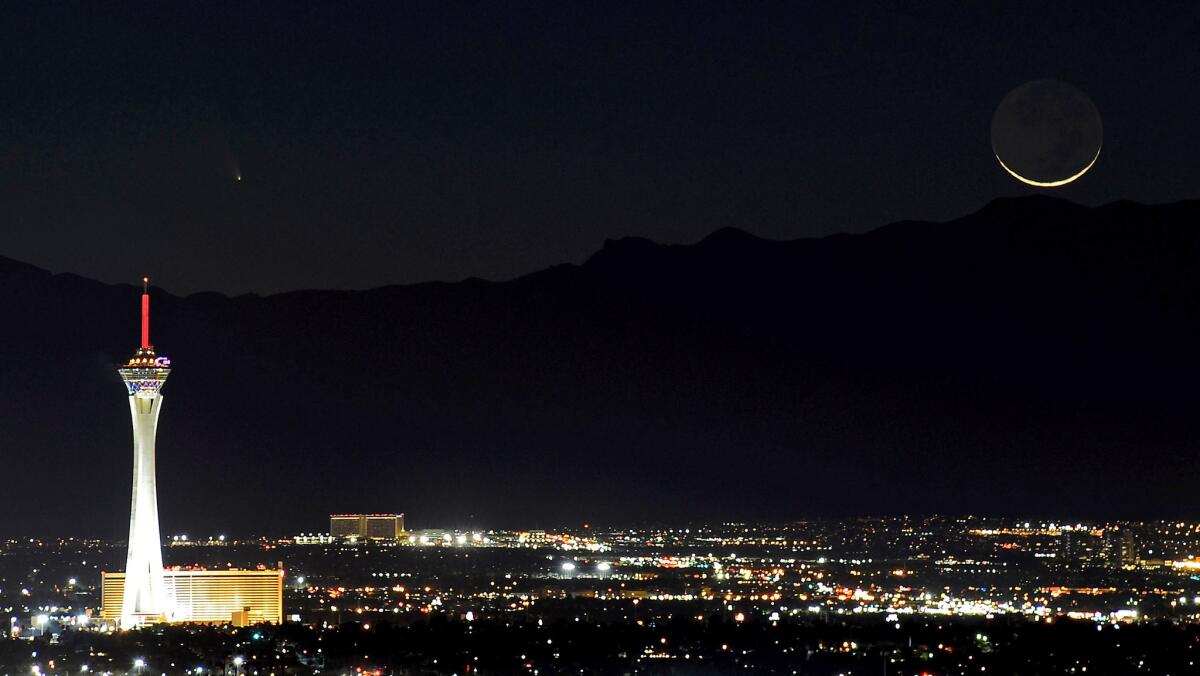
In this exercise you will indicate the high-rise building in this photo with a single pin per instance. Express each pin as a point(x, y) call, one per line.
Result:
point(383, 526)
point(372, 526)
point(239, 597)
point(346, 525)
point(144, 598)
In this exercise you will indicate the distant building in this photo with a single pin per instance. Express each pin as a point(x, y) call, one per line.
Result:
point(370, 526)
point(433, 536)
point(1130, 553)
point(240, 597)
point(532, 538)
point(438, 536)
point(346, 525)
point(386, 527)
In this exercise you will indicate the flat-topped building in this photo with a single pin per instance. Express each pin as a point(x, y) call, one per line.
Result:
point(367, 526)
point(238, 597)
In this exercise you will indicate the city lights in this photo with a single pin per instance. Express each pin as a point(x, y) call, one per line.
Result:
point(781, 576)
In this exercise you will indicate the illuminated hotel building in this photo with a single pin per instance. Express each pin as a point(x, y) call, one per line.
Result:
point(372, 526)
point(240, 597)
point(145, 598)
point(345, 525)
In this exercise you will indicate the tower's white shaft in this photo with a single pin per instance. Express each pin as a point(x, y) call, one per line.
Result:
point(145, 595)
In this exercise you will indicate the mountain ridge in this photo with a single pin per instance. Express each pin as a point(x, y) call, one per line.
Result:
point(1010, 361)
point(723, 235)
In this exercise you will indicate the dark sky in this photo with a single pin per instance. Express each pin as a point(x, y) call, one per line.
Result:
point(402, 142)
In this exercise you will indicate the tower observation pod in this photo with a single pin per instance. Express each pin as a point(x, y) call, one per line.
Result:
point(146, 599)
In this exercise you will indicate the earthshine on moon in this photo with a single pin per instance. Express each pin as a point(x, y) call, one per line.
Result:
point(1046, 133)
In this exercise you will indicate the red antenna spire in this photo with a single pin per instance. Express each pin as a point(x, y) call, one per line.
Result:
point(145, 313)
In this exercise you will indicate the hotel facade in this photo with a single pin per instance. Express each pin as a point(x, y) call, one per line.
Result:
point(239, 597)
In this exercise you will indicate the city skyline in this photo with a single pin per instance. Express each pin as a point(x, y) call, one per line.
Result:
point(733, 596)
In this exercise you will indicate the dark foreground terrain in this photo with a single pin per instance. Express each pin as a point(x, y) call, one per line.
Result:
point(704, 645)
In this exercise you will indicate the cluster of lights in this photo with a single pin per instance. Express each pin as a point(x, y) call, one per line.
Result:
point(148, 361)
point(601, 567)
point(446, 538)
point(144, 381)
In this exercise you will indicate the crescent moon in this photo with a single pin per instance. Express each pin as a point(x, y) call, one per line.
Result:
point(1050, 184)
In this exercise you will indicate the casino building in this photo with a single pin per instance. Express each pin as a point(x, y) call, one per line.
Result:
point(368, 526)
point(238, 597)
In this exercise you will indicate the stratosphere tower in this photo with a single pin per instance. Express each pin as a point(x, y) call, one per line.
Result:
point(146, 598)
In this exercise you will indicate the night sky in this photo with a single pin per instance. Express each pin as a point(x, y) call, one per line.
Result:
point(399, 142)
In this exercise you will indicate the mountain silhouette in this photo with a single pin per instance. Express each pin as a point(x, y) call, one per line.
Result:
point(1034, 358)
